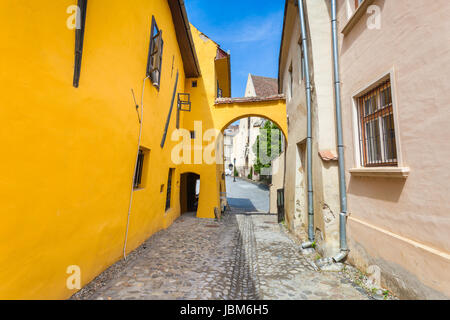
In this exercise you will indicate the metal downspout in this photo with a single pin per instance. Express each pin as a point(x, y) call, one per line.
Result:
point(342, 184)
point(309, 129)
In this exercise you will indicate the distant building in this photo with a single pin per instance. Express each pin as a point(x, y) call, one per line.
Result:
point(249, 127)
point(229, 135)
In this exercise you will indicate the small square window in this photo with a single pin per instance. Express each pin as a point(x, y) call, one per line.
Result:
point(194, 84)
point(192, 134)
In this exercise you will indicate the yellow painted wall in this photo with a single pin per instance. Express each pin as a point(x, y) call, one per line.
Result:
point(217, 116)
point(68, 154)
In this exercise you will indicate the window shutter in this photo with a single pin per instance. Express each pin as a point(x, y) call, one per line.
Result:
point(154, 62)
point(79, 40)
point(151, 48)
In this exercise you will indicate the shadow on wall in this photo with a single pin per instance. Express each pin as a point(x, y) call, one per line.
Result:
point(377, 188)
point(243, 204)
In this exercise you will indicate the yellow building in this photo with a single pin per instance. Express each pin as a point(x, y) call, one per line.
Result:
point(89, 112)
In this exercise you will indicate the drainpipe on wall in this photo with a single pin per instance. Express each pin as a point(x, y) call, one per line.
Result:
point(310, 242)
point(342, 184)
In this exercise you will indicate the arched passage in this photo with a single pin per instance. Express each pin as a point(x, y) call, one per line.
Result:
point(222, 113)
point(243, 194)
point(229, 110)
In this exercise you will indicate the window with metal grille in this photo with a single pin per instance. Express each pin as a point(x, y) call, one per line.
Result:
point(376, 125)
point(155, 53)
point(139, 170)
point(169, 189)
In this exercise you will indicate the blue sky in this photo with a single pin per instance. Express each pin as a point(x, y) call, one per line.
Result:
point(250, 29)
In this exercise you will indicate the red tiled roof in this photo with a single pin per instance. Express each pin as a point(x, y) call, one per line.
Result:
point(265, 87)
point(328, 155)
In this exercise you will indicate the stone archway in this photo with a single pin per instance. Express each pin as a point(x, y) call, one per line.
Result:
point(229, 110)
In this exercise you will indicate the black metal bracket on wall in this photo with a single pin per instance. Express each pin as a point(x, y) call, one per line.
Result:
point(163, 141)
point(184, 104)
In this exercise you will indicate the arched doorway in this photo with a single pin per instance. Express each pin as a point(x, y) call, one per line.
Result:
point(189, 192)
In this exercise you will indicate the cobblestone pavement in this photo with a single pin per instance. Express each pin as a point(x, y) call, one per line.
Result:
point(242, 257)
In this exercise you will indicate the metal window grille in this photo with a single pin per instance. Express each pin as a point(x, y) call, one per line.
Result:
point(169, 189)
point(377, 133)
point(139, 170)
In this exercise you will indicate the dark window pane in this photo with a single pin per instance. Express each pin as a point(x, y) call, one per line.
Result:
point(169, 189)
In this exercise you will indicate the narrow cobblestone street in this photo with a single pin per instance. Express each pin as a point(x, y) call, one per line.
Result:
point(242, 257)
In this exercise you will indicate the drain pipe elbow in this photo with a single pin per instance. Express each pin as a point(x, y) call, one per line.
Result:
point(308, 244)
point(340, 256)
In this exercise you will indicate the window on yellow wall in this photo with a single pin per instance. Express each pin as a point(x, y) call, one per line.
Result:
point(139, 170)
point(169, 189)
point(219, 90)
point(155, 53)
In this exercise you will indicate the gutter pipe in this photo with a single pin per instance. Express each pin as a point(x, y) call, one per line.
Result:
point(342, 184)
point(310, 243)
point(141, 120)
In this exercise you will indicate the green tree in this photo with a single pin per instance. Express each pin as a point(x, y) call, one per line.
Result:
point(264, 145)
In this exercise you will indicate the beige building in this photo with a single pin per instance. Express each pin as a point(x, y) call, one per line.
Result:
point(292, 83)
point(394, 62)
point(393, 58)
point(228, 141)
